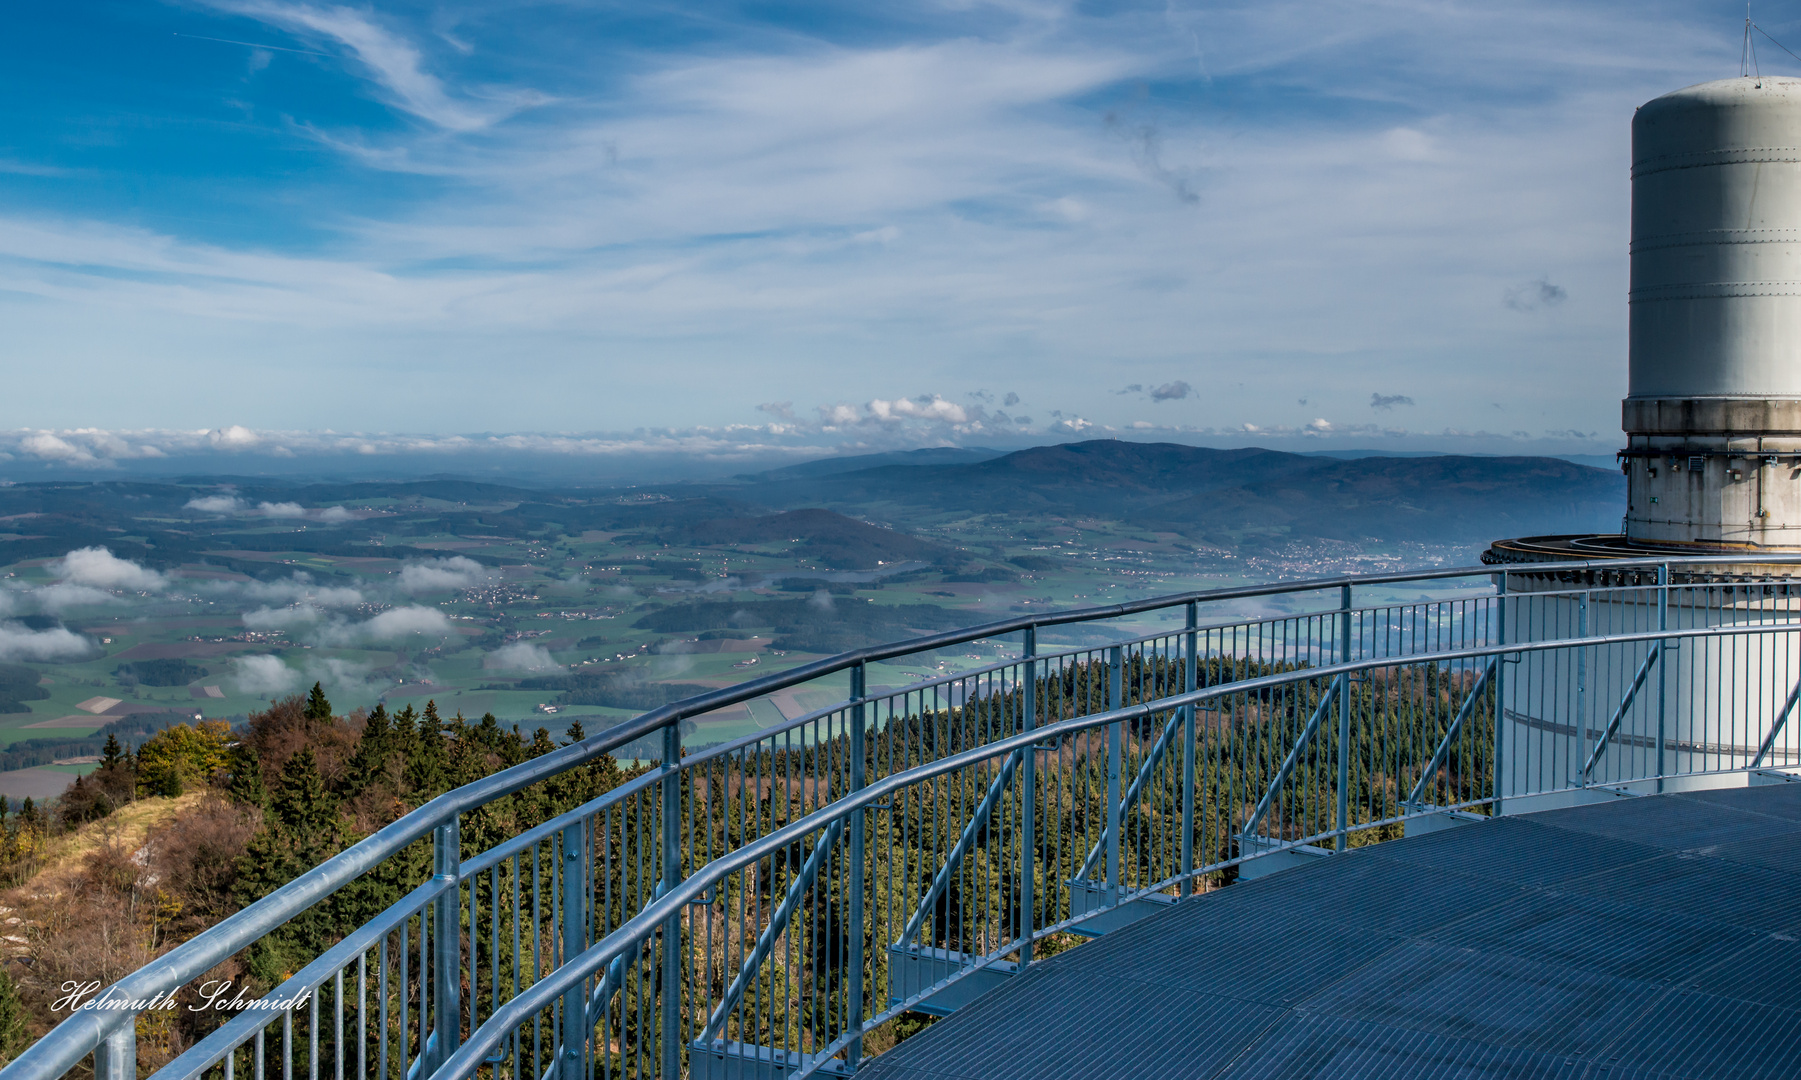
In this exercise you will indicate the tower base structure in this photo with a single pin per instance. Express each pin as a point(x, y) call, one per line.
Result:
point(1630, 709)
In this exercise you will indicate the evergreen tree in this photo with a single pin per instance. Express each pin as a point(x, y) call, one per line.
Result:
point(301, 830)
point(318, 710)
point(246, 785)
point(369, 764)
point(28, 816)
point(425, 765)
point(302, 806)
point(112, 753)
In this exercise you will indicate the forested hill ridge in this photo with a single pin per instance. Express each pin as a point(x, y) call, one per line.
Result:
point(1226, 497)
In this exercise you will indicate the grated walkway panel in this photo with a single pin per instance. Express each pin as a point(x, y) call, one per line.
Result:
point(1651, 937)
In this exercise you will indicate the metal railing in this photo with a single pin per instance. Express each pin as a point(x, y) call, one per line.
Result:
point(766, 905)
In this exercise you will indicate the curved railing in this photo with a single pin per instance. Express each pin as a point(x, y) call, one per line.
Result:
point(1060, 789)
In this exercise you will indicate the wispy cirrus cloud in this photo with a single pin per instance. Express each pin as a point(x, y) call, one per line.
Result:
point(392, 61)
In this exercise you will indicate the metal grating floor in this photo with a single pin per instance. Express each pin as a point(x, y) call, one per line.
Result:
point(1652, 937)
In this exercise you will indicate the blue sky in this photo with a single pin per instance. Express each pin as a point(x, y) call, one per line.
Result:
point(257, 227)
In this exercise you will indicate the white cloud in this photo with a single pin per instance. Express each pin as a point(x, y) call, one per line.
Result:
point(65, 595)
point(235, 437)
point(393, 62)
point(520, 656)
point(265, 676)
point(232, 504)
point(216, 504)
point(282, 618)
point(53, 644)
point(300, 588)
point(404, 622)
point(456, 572)
point(100, 568)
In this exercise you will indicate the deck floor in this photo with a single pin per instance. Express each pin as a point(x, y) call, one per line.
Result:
point(1648, 937)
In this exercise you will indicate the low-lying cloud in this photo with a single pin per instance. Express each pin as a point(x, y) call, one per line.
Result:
point(234, 506)
point(438, 575)
point(19, 642)
point(265, 676)
point(403, 622)
point(301, 589)
point(100, 568)
point(327, 628)
point(520, 656)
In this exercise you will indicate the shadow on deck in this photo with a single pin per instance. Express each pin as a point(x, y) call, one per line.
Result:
point(1655, 936)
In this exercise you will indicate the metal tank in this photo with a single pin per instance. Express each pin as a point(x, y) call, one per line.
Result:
point(1713, 412)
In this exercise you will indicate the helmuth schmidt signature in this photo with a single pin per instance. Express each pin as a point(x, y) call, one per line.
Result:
point(79, 997)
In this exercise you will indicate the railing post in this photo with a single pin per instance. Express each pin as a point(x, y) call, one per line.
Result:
point(672, 875)
point(854, 878)
point(447, 944)
point(1190, 681)
point(1663, 623)
point(1581, 777)
point(1495, 767)
point(116, 1058)
point(1342, 840)
point(575, 942)
point(1028, 802)
point(1115, 750)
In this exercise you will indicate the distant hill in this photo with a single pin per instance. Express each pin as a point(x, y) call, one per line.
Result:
point(1439, 499)
point(1230, 496)
point(830, 466)
point(1104, 476)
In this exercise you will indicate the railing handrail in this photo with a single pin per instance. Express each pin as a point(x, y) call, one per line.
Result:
point(577, 969)
point(65, 1045)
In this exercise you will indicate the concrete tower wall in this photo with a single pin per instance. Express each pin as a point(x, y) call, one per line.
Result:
point(1713, 416)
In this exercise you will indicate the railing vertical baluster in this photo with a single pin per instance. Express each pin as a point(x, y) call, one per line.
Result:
point(116, 1058)
point(1495, 776)
point(1581, 778)
point(573, 917)
point(446, 959)
point(1190, 677)
point(1342, 839)
point(859, 679)
point(1028, 800)
point(1663, 623)
point(1115, 750)
point(672, 875)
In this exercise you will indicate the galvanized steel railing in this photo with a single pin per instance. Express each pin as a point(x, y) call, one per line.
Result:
point(764, 906)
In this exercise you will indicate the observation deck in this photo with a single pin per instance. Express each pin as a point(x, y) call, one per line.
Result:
point(1649, 936)
point(1487, 821)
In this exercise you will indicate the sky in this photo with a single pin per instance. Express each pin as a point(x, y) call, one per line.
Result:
point(242, 233)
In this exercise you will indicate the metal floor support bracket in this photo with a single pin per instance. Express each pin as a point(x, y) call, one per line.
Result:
point(1444, 819)
point(1276, 858)
point(720, 1060)
point(913, 969)
point(1086, 895)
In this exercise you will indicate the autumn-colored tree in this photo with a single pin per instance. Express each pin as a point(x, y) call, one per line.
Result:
point(181, 758)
